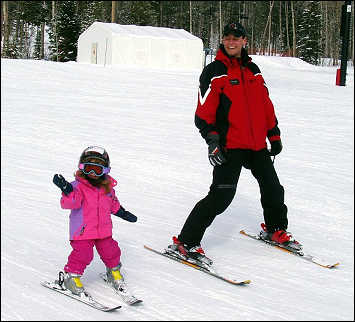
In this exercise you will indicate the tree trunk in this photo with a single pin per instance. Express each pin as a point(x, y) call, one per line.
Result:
point(210, 45)
point(190, 16)
point(220, 20)
point(160, 13)
point(326, 30)
point(287, 32)
point(5, 9)
point(2, 24)
point(267, 24)
point(54, 22)
point(352, 31)
point(113, 11)
point(269, 39)
point(294, 31)
point(280, 22)
point(181, 16)
point(41, 55)
point(252, 43)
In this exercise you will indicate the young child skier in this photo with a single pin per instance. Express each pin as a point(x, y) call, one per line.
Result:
point(92, 200)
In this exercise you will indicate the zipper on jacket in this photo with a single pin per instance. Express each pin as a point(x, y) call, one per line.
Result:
point(82, 230)
point(98, 211)
point(248, 107)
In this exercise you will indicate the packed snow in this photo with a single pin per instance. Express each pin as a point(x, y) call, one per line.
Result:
point(144, 118)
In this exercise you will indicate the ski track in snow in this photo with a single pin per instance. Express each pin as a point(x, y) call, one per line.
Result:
point(145, 119)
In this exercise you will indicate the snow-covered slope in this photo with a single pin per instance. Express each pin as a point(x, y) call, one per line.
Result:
point(144, 118)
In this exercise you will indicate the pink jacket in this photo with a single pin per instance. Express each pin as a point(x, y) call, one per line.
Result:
point(91, 209)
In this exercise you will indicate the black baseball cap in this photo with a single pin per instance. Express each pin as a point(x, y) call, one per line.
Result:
point(234, 28)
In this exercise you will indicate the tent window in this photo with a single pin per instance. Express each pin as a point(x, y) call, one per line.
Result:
point(94, 53)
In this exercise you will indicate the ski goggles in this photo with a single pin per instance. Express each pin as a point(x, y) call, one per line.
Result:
point(94, 168)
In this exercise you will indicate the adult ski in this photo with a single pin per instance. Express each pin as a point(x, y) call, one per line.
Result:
point(195, 266)
point(123, 292)
point(290, 250)
point(84, 297)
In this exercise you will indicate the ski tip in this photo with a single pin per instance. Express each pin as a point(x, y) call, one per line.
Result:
point(147, 247)
point(238, 282)
point(334, 265)
point(137, 302)
point(111, 309)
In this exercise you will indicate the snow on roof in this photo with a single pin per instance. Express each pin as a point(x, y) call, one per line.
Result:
point(146, 31)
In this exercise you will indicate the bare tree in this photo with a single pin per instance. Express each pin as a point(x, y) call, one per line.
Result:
point(294, 31)
point(5, 23)
point(268, 22)
point(54, 23)
point(43, 27)
point(280, 25)
point(287, 32)
point(160, 13)
point(352, 33)
point(324, 7)
point(220, 19)
point(113, 11)
point(252, 42)
point(191, 16)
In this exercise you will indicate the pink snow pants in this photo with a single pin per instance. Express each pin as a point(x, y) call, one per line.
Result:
point(83, 253)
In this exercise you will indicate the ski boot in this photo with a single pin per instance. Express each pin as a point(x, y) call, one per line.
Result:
point(178, 249)
point(280, 237)
point(73, 283)
point(115, 278)
point(193, 254)
point(198, 254)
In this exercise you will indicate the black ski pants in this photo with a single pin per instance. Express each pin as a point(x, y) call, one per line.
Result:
point(223, 189)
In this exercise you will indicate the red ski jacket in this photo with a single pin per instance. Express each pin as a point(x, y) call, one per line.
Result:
point(233, 101)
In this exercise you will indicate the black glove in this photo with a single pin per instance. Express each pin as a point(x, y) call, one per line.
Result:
point(126, 215)
point(215, 154)
point(64, 185)
point(276, 147)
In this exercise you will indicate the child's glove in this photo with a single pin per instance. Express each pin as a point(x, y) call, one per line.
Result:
point(126, 215)
point(63, 185)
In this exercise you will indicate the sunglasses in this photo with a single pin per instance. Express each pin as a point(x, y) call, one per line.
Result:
point(94, 168)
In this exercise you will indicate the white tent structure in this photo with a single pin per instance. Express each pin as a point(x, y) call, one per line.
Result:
point(140, 46)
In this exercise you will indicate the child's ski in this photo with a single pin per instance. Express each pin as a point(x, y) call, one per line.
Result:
point(84, 297)
point(123, 292)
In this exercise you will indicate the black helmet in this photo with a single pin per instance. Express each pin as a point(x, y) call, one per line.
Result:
point(234, 28)
point(96, 152)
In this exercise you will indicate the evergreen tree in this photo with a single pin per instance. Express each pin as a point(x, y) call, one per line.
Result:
point(10, 50)
point(141, 13)
point(308, 33)
point(68, 31)
point(37, 46)
point(87, 13)
point(52, 46)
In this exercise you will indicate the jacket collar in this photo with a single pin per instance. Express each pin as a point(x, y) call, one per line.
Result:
point(228, 60)
point(87, 183)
